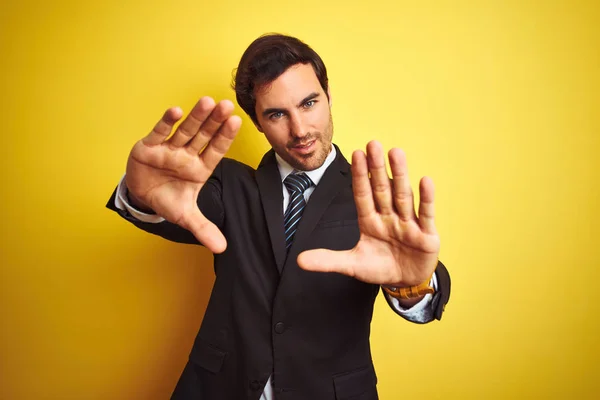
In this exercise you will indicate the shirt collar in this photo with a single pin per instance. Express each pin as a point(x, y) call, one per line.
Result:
point(315, 175)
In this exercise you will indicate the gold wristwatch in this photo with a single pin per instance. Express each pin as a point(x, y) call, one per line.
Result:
point(410, 292)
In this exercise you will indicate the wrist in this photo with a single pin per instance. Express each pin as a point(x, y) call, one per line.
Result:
point(137, 203)
point(409, 303)
point(410, 292)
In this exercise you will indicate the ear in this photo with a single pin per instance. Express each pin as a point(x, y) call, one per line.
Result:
point(329, 95)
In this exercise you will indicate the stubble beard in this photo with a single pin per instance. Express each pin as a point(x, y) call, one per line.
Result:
point(317, 158)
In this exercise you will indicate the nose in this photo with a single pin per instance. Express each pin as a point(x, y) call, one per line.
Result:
point(298, 127)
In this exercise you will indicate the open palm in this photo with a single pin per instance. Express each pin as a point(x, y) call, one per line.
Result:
point(395, 247)
point(166, 175)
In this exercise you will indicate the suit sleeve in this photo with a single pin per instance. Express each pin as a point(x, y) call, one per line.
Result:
point(210, 204)
point(443, 295)
point(439, 301)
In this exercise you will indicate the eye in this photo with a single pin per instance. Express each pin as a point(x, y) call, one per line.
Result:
point(310, 103)
point(275, 115)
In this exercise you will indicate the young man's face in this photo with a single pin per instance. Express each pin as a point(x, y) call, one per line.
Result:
point(294, 114)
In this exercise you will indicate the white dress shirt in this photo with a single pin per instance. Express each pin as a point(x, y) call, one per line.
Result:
point(420, 312)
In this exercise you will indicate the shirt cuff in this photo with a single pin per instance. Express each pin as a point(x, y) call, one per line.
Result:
point(420, 312)
point(122, 203)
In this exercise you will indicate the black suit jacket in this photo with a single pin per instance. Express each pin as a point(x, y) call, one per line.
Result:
point(266, 315)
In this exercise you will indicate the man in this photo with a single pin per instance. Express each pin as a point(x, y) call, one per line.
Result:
point(302, 244)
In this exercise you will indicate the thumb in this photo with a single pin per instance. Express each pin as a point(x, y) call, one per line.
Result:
point(206, 232)
point(322, 260)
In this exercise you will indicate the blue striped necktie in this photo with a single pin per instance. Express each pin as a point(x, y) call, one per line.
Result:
point(296, 184)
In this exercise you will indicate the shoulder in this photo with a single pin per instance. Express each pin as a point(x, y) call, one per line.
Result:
point(232, 172)
point(231, 167)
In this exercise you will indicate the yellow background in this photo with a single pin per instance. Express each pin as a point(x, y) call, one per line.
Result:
point(497, 101)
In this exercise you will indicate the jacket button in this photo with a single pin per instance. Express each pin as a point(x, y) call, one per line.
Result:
point(279, 327)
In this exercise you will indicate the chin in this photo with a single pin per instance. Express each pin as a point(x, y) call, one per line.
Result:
point(309, 163)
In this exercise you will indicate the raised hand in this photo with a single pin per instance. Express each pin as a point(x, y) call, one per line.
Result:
point(166, 175)
point(395, 247)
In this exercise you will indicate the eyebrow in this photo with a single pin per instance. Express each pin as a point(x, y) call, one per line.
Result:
point(304, 100)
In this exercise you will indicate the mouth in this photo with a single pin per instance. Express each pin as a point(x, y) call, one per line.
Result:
point(305, 148)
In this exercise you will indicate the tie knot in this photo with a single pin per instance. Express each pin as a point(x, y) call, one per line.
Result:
point(297, 182)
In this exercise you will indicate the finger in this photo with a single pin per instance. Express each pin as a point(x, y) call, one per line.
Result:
point(206, 232)
point(163, 128)
point(380, 181)
point(403, 196)
point(220, 143)
point(210, 126)
point(321, 260)
point(363, 195)
point(426, 208)
point(189, 127)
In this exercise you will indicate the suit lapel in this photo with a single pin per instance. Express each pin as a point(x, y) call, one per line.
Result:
point(271, 195)
point(335, 178)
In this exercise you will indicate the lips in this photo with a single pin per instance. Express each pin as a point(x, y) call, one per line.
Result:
point(305, 148)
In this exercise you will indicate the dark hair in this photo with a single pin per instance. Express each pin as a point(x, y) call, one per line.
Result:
point(265, 60)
